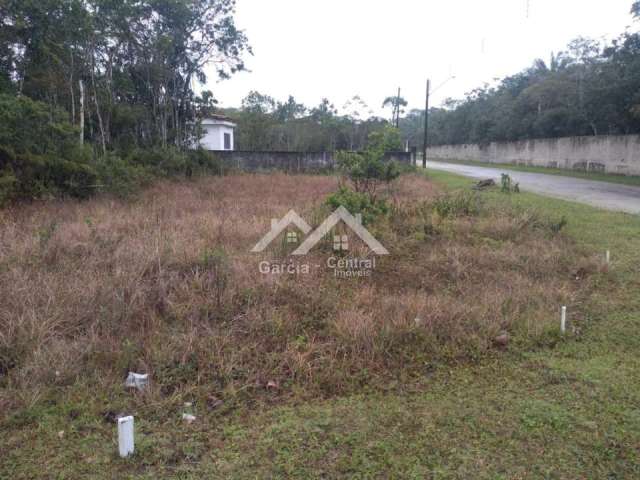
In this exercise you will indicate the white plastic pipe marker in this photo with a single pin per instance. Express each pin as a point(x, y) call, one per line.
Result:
point(125, 436)
point(563, 320)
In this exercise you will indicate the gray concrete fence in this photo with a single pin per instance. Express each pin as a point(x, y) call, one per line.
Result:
point(618, 154)
point(293, 161)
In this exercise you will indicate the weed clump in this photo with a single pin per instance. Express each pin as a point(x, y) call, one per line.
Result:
point(508, 185)
point(356, 202)
point(462, 203)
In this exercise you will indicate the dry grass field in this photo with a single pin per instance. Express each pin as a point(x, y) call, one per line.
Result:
point(166, 284)
point(394, 375)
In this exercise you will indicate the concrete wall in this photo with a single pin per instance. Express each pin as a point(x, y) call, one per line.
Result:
point(611, 154)
point(293, 161)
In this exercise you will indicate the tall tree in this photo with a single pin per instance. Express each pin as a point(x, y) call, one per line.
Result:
point(396, 103)
point(138, 59)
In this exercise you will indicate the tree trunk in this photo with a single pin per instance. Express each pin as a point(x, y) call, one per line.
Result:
point(73, 98)
point(73, 101)
point(95, 99)
point(81, 86)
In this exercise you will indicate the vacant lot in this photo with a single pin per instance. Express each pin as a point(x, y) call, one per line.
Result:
point(166, 284)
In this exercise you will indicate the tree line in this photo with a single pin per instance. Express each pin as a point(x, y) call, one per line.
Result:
point(587, 89)
point(95, 93)
point(127, 68)
point(267, 124)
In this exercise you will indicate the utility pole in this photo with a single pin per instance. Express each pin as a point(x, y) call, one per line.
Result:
point(398, 109)
point(426, 126)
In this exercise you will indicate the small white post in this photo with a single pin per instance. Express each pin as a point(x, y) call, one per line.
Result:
point(608, 257)
point(125, 436)
point(563, 320)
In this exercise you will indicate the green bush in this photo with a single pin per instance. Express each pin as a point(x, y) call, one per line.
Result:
point(404, 168)
point(173, 162)
point(36, 175)
point(8, 185)
point(202, 162)
point(463, 203)
point(40, 155)
point(357, 202)
point(39, 152)
point(388, 139)
point(508, 185)
point(161, 162)
point(367, 170)
point(120, 176)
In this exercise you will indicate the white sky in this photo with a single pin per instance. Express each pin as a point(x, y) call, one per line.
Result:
point(339, 48)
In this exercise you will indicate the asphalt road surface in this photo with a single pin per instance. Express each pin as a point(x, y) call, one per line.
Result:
point(610, 196)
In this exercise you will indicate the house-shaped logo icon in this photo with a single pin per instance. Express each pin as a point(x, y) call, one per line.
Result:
point(278, 226)
point(353, 222)
point(340, 214)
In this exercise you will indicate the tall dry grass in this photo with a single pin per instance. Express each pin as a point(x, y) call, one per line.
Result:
point(166, 284)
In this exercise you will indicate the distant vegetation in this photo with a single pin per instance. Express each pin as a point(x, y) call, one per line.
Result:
point(588, 89)
point(265, 123)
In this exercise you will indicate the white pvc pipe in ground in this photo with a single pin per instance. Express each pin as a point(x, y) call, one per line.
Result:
point(563, 320)
point(125, 436)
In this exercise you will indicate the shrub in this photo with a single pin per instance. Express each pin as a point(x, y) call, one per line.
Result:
point(120, 176)
point(507, 184)
point(388, 139)
point(367, 170)
point(405, 168)
point(463, 203)
point(8, 184)
point(69, 177)
point(30, 126)
point(173, 162)
point(161, 162)
point(357, 202)
point(203, 162)
point(39, 152)
point(556, 227)
point(216, 262)
point(30, 175)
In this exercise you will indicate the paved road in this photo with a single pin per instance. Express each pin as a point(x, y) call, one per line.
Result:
point(610, 196)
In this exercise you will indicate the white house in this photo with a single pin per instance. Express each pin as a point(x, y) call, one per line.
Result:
point(217, 133)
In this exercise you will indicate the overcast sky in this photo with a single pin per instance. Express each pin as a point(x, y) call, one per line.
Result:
point(339, 48)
